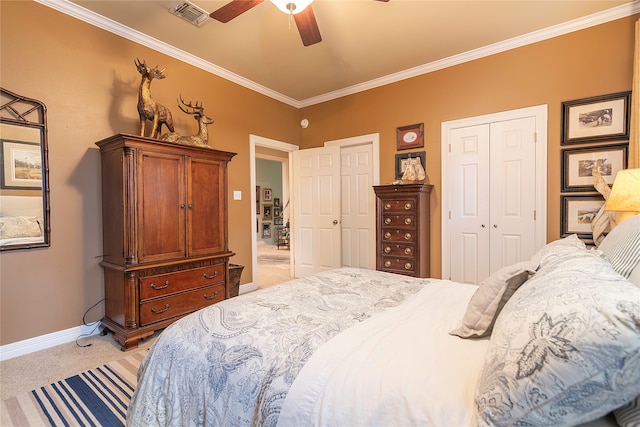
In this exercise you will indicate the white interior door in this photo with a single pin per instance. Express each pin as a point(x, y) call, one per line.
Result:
point(469, 203)
point(316, 210)
point(512, 185)
point(492, 202)
point(357, 207)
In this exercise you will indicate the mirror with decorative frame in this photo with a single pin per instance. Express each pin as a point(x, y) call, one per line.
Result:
point(24, 173)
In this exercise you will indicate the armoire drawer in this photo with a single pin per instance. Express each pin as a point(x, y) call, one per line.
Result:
point(170, 283)
point(398, 249)
point(176, 305)
point(399, 205)
point(398, 265)
point(407, 220)
point(396, 235)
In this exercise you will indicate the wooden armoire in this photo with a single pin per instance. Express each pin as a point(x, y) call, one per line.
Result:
point(164, 216)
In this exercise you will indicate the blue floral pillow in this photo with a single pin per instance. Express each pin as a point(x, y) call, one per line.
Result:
point(565, 348)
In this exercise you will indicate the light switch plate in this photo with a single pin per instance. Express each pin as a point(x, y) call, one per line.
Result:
point(237, 195)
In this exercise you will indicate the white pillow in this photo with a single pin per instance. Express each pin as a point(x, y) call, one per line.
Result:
point(565, 348)
point(622, 248)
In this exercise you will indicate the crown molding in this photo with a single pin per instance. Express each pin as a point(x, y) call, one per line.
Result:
point(83, 14)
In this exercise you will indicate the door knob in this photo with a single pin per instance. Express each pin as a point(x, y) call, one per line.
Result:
point(495, 225)
point(335, 221)
point(482, 226)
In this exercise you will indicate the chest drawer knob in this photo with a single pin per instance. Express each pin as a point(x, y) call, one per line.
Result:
point(162, 310)
point(156, 287)
point(387, 221)
point(387, 249)
point(408, 251)
point(408, 221)
point(387, 206)
point(408, 206)
point(407, 236)
point(214, 296)
point(387, 264)
point(208, 276)
point(408, 266)
point(387, 235)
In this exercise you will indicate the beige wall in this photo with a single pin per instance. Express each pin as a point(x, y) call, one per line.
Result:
point(87, 79)
point(586, 63)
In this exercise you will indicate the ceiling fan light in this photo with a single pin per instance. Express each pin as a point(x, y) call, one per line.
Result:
point(291, 6)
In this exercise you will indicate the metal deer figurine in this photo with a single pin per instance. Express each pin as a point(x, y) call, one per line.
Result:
point(148, 108)
point(197, 111)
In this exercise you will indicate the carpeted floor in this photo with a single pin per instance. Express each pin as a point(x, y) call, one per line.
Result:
point(97, 397)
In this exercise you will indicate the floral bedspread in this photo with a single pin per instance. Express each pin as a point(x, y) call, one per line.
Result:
point(232, 363)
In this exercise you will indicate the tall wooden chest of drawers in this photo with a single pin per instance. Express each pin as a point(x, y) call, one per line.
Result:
point(402, 229)
point(164, 217)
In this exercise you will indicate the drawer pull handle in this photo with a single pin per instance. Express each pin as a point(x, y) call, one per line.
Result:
point(387, 206)
point(387, 264)
point(157, 288)
point(407, 221)
point(387, 235)
point(387, 249)
point(210, 297)
point(407, 206)
point(407, 236)
point(207, 276)
point(162, 310)
point(408, 251)
point(387, 221)
point(408, 266)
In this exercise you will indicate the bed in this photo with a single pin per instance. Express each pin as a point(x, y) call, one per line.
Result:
point(21, 220)
point(554, 340)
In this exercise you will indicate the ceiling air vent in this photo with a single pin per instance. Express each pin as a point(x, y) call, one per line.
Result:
point(190, 12)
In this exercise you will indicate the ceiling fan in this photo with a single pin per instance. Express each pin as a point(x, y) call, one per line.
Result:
point(301, 11)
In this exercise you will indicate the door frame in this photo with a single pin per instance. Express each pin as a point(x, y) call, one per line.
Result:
point(259, 141)
point(540, 113)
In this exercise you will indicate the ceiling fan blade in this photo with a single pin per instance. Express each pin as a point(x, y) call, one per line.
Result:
point(233, 9)
point(308, 27)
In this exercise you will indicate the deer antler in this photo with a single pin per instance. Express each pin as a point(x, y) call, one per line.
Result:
point(197, 109)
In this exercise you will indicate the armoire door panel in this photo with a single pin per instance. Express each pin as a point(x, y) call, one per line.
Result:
point(205, 218)
point(161, 206)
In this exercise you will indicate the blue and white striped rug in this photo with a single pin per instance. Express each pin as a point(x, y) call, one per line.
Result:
point(98, 397)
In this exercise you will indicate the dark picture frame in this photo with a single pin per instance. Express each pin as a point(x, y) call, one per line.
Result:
point(21, 165)
point(258, 200)
point(402, 161)
point(410, 137)
point(266, 229)
point(596, 119)
point(267, 212)
point(576, 214)
point(266, 194)
point(276, 202)
point(578, 164)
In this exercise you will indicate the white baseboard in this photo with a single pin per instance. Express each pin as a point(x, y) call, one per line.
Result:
point(43, 342)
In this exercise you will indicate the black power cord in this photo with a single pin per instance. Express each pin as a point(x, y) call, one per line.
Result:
point(84, 322)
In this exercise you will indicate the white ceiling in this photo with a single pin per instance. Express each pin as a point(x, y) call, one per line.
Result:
point(365, 43)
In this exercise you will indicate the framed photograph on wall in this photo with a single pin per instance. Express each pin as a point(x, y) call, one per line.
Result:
point(595, 119)
point(408, 137)
point(266, 229)
point(578, 165)
point(266, 194)
point(576, 214)
point(21, 165)
point(267, 213)
point(258, 200)
point(276, 202)
point(402, 160)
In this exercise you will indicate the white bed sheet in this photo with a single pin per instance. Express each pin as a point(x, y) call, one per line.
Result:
point(398, 368)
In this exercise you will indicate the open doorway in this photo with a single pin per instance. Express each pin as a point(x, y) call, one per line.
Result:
point(270, 150)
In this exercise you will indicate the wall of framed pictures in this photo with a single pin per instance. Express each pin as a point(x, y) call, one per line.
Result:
point(595, 136)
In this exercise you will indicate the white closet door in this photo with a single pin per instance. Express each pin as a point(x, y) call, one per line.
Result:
point(512, 191)
point(469, 203)
point(492, 179)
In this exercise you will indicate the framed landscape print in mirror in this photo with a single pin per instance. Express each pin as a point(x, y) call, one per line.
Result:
point(24, 173)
